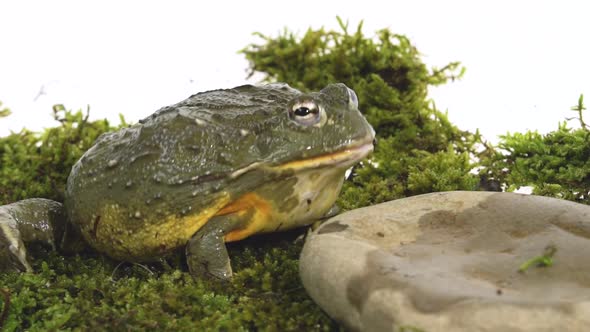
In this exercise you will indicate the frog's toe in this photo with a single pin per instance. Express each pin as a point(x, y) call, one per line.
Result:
point(207, 256)
point(13, 254)
point(200, 267)
point(206, 253)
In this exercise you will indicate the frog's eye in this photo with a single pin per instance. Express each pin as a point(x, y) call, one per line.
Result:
point(352, 98)
point(307, 114)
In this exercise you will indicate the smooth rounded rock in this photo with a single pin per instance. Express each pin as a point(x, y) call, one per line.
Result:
point(450, 262)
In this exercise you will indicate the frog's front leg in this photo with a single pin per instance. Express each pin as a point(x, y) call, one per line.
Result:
point(206, 252)
point(33, 220)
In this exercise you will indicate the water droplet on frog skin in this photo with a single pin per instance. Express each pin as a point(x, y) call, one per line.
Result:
point(137, 214)
point(128, 184)
point(186, 210)
point(112, 163)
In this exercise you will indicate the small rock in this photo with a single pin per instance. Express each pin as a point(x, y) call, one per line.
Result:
point(449, 262)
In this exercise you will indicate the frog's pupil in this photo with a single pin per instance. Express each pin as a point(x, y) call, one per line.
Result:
point(302, 111)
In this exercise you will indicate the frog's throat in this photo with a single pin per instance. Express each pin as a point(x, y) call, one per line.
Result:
point(343, 158)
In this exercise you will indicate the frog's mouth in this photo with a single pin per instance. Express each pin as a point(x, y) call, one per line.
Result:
point(344, 158)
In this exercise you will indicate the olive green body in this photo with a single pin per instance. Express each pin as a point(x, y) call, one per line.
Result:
point(252, 152)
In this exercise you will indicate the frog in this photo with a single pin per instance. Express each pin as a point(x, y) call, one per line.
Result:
point(217, 167)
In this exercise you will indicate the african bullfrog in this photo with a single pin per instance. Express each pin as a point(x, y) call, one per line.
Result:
point(217, 167)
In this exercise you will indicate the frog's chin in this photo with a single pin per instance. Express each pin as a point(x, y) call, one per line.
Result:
point(343, 158)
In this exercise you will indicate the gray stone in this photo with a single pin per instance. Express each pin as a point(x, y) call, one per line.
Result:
point(450, 262)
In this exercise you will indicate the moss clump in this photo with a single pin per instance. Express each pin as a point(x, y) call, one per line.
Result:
point(556, 164)
point(4, 111)
point(92, 292)
point(37, 165)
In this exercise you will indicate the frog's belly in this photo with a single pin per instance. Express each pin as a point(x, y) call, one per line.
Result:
point(111, 232)
point(276, 206)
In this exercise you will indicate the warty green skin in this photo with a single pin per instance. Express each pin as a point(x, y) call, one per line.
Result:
point(207, 150)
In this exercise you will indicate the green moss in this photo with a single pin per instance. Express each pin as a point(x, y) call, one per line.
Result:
point(37, 165)
point(92, 292)
point(544, 260)
point(556, 164)
point(4, 111)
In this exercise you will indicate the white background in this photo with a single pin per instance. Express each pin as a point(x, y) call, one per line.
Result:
point(527, 61)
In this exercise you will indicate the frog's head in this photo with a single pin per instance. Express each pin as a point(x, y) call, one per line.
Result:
point(320, 129)
point(311, 138)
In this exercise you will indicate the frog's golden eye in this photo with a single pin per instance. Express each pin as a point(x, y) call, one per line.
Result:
point(307, 114)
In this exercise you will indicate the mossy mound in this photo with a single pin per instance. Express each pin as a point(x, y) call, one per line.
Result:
point(91, 292)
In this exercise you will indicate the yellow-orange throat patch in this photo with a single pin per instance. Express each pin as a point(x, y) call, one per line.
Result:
point(251, 202)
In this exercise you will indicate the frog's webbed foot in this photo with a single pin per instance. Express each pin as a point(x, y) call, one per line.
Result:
point(206, 253)
point(30, 220)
